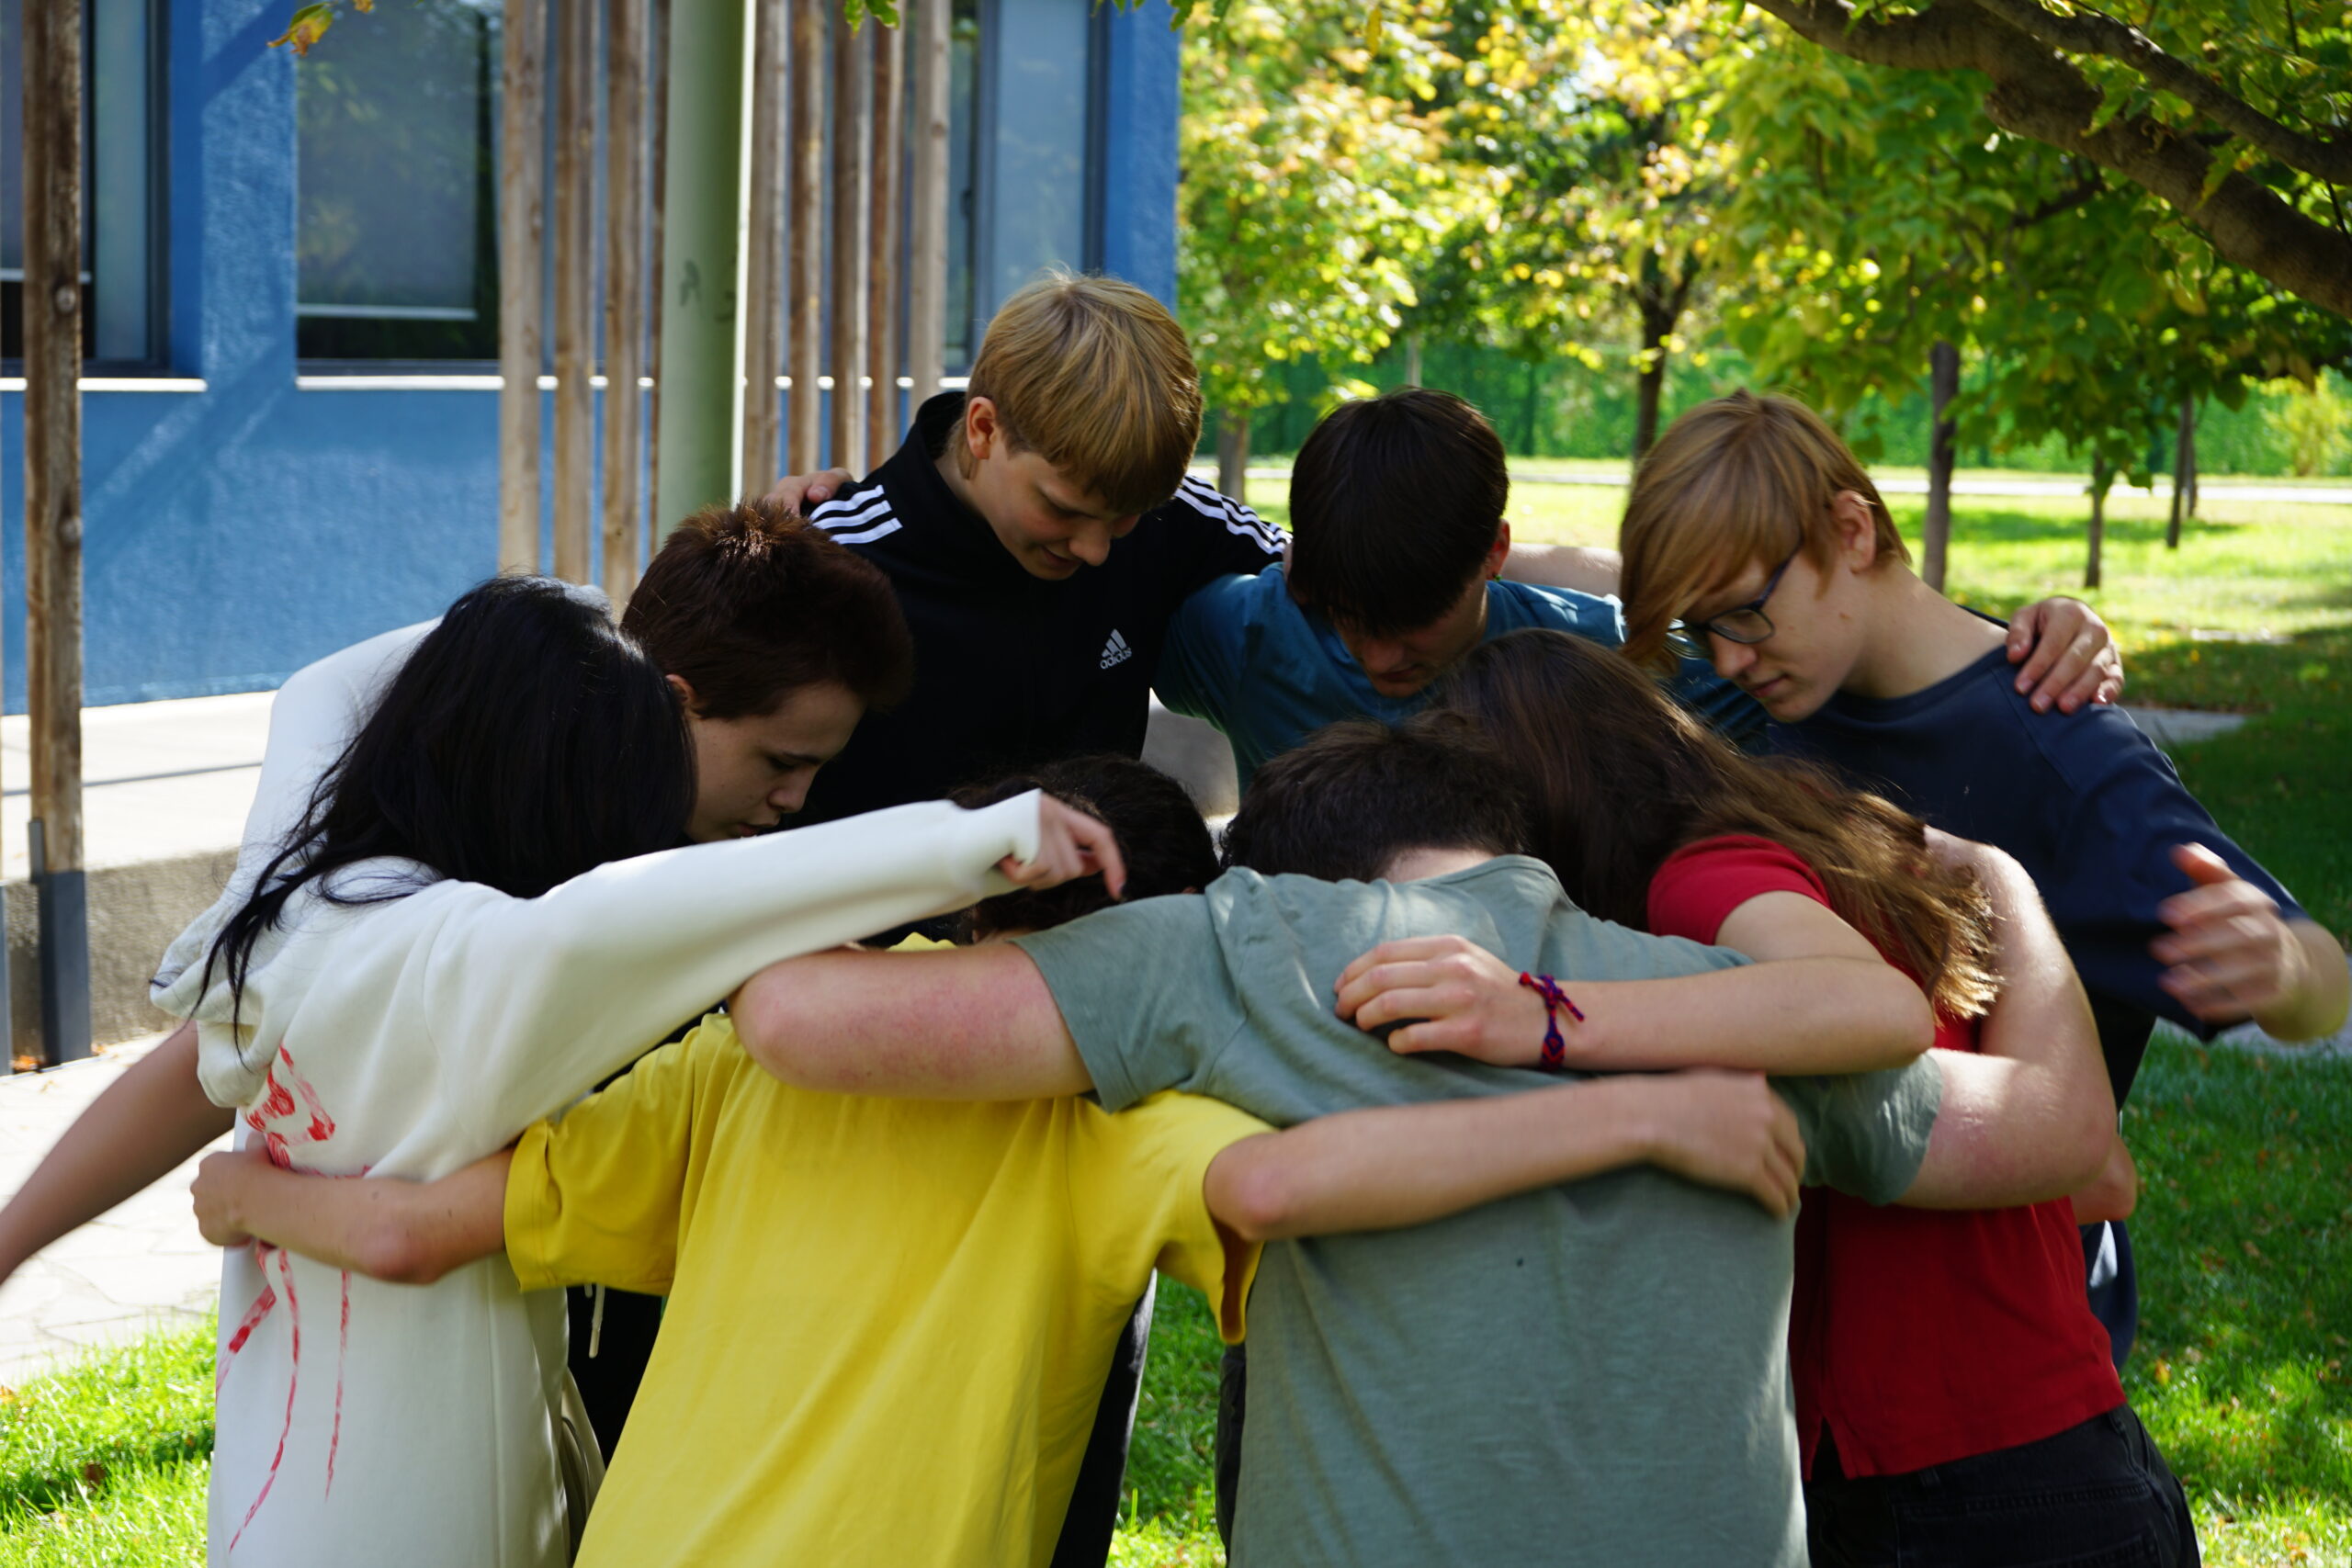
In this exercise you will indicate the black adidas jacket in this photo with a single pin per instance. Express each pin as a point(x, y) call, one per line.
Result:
point(1012, 671)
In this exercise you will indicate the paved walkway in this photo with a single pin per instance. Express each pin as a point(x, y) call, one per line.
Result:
point(162, 779)
point(138, 1265)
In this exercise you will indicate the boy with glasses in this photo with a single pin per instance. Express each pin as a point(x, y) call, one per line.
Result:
point(1861, 665)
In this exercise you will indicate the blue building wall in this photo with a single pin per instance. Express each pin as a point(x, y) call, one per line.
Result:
point(234, 534)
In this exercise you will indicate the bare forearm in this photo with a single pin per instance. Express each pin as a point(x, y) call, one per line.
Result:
point(1801, 1015)
point(979, 1023)
point(405, 1232)
point(2030, 1118)
point(1587, 569)
point(1396, 1166)
point(149, 1121)
point(2316, 1006)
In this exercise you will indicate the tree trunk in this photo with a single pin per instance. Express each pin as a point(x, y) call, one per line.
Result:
point(805, 184)
point(521, 179)
point(1233, 454)
point(928, 47)
point(1412, 359)
point(2190, 466)
point(574, 239)
point(1943, 384)
point(2184, 460)
point(2098, 521)
point(1660, 306)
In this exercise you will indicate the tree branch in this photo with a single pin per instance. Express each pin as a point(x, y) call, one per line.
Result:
point(2093, 32)
point(2037, 93)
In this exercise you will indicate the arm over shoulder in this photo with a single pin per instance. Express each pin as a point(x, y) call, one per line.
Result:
point(1200, 664)
point(533, 1000)
point(1144, 991)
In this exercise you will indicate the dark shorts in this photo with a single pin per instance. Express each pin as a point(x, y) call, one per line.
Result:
point(2096, 1495)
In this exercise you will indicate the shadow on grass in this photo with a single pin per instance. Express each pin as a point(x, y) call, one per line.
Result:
point(1976, 524)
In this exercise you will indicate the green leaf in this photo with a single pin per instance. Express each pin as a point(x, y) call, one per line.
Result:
point(307, 26)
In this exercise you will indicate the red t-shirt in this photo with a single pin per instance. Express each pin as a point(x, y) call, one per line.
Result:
point(1916, 1336)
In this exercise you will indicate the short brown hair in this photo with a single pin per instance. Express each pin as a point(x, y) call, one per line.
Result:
point(1394, 502)
point(1737, 480)
point(747, 603)
point(1093, 375)
point(1354, 796)
point(1617, 776)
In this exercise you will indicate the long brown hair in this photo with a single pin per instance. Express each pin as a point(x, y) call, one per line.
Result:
point(1617, 777)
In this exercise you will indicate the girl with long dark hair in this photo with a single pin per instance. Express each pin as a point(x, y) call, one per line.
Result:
point(479, 918)
point(1949, 1374)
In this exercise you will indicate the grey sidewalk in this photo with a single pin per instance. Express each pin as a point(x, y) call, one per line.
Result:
point(140, 1266)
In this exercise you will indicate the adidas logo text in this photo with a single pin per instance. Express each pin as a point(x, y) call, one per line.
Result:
point(1115, 651)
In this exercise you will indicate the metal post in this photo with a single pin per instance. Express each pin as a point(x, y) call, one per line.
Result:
point(927, 215)
point(702, 190)
point(52, 330)
point(521, 179)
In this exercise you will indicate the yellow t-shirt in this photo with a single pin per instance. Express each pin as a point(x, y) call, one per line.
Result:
point(889, 1320)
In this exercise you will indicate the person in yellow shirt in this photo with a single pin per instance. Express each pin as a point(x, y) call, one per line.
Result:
point(889, 1321)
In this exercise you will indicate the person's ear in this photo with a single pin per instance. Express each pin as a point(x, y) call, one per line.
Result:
point(1857, 529)
point(1499, 551)
point(980, 426)
point(683, 691)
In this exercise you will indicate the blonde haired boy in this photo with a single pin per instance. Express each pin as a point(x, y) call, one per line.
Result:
point(1752, 523)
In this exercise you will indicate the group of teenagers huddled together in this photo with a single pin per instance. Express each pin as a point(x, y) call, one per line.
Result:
point(1636, 1082)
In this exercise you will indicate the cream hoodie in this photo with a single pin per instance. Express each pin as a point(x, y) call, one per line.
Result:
point(363, 1423)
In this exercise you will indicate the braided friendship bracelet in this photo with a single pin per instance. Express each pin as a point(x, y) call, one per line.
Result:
point(1555, 1049)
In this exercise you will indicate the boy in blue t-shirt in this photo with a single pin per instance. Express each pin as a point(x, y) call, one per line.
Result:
point(1752, 525)
point(1397, 544)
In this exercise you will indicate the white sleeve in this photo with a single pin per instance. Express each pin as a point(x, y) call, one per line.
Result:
point(313, 717)
point(532, 1002)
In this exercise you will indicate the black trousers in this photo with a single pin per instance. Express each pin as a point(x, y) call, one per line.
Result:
point(2095, 1495)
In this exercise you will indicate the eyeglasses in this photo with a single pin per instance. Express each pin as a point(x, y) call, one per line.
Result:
point(1749, 623)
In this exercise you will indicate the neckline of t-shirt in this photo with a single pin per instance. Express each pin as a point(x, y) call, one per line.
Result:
point(1848, 705)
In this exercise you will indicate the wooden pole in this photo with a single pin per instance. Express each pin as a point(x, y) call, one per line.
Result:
point(575, 272)
point(521, 178)
point(927, 214)
point(852, 146)
point(52, 331)
point(656, 171)
point(882, 247)
point(805, 286)
point(2183, 464)
point(701, 370)
point(624, 290)
point(889, 106)
point(763, 286)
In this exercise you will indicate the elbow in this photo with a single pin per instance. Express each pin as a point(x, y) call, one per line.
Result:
point(391, 1252)
point(1912, 1024)
point(1254, 1198)
point(2081, 1141)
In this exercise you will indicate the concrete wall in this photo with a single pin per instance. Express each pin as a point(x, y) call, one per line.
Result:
point(233, 534)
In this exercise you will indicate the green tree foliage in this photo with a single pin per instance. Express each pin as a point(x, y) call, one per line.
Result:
point(2229, 113)
point(1316, 184)
point(1600, 122)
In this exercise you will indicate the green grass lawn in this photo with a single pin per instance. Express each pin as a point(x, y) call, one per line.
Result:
point(2244, 1230)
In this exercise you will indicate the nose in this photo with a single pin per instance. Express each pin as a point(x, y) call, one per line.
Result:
point(1091, 543)
point(793, 793)
point(1380, 656)
point(1729, 657)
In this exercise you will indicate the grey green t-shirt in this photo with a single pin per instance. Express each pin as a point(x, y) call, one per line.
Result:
point(1591, 1373)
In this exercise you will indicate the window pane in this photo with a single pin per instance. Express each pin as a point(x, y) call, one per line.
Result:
point(120, 106)
point(397, 254)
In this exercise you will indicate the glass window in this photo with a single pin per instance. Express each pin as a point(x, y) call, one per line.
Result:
point(121, 109)
point(396, 244)
point(1034, 156)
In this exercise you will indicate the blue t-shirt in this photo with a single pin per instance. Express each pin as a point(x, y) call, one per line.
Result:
point(1243, 654)
point(2085, 801)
